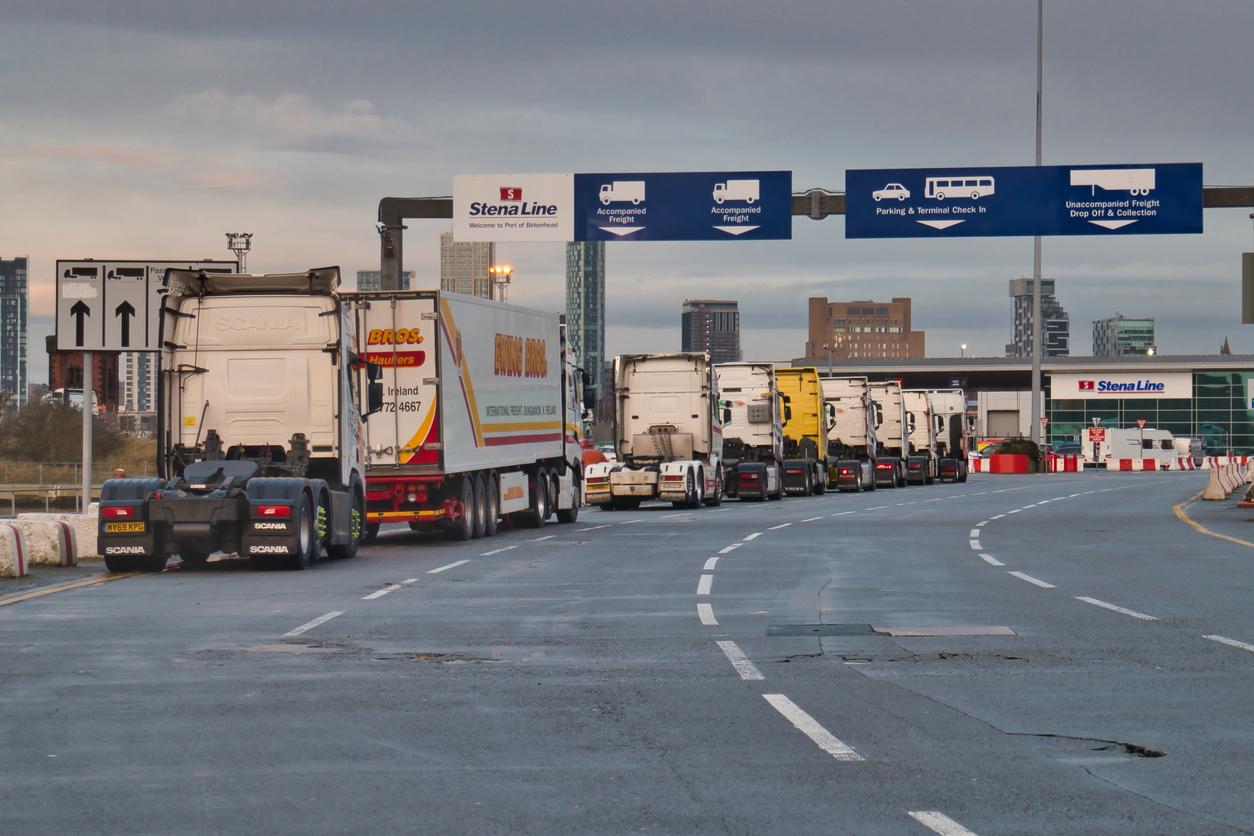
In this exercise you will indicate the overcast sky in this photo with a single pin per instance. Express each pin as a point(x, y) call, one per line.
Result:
point(149, 129)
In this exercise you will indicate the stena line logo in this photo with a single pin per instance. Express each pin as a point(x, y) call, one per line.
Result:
point(1113, 386)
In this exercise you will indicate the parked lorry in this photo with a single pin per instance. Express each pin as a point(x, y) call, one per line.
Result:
point(480, 418)
point(922, 464)
point(893, 443)
point(668, 434)
point(753, 430)
point(852, 418)
point(259, 427)
point(805, 431)
point(949, 413)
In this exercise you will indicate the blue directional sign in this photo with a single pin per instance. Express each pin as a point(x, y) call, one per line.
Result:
point(1135, 199)
point(684, 206)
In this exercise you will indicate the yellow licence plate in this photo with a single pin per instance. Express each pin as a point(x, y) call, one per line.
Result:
point(125, 527)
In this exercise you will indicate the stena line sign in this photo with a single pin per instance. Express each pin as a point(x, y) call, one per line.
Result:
point(1124, 385)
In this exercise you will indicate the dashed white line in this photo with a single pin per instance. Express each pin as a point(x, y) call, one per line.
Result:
point(681, 514)
point(992, 561)
point(450, 566)
point(1057, 498)
point(593, 528)
point(1074, 495)
point(507, 548)
point(998, 517)
point(938, 499)
point(545, 537)
point(940, 823)
point(900, 504)
point(810, 727)
point(740, 661)
point(703, 585)
point(975, 544)
point(710, 564)
point(975, 533)
point(981, 524)
point(730, 548)
point(1015, 511)
point(1031, 579)
point(380, 593)
point(706, 613)
point(629, 522)
point(812, 519)
point(755, 535)
point(1113, 608)
point(980, 494)
point(842, 513)
point(408, 581)
point(322, 619)
point(877, 508)
point(1231, 642)
point(782, 525)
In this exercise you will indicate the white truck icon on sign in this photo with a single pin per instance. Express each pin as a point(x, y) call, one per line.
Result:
point(746, 190)
point(1135, 180)
point(622, 191)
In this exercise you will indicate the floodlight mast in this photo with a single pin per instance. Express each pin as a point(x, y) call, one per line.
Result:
point(240, 243)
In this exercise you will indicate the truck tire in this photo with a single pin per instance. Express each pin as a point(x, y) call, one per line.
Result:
point(690, 493)
point(554, 487)
point(715, 499)
point(306, 537)
point(540, 500)
point(481, 508)
point(135, 563)
point(119, 563)
point(463, 528)
point(820, 483)
point(493, 516)
point(372, 530)
point(962, 471)
point(779, 489)
point(356, 519)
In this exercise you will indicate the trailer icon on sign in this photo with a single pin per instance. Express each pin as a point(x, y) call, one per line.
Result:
point(1138, 181)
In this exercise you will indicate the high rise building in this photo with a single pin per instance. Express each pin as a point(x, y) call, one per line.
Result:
point(1057, 323)
point(14, 305)
point(373, 280)
point(137, 381)
point(862, 330)
point(712, 326)
point(464, 265)
point(585, 306)
point(1118, 336)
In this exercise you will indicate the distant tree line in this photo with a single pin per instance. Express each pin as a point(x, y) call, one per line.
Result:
point(53, 432)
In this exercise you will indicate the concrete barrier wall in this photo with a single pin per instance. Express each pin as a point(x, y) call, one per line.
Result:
point(84, 525)
point(48, 542)
point(12, 551)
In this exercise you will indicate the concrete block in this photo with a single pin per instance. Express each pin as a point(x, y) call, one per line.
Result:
point(85, 527)
point(12, 551)
point(49, 542)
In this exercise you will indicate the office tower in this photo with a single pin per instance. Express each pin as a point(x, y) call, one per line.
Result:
point(14, 305)
point(712, 326)
point(585, 306)
point(862, 330)
point(1057, 323)
point(1119, 336)
point(464, 265)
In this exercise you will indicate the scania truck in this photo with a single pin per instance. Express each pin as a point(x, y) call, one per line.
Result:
point(805, 431)
point(949, 412)
point(922, 464)
point(668, 434)
point(893, 443)
point(481, 414)
point(851, 445)
point(753, 431)
point(259, 427)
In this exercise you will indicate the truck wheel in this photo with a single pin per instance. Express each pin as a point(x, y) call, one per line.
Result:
point(120, 563)
point(554, 486)
point(715, 499)
point(481, 509)
point(493, 516)
point(962, 472)
point(150, 563)
point(306, 537)
point(689, 492)
point(344, 551)
point(540, 497)
point(463, 528)
point(694, 498)
point(372, 530)
point(820, 484)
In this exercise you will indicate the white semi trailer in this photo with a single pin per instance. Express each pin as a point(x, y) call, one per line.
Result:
point(852, 418)
point(668, 434)
point(893, 443)
point(753, 430)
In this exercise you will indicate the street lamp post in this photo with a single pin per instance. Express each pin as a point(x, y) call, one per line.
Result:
point(963, 347)
point(499, 277)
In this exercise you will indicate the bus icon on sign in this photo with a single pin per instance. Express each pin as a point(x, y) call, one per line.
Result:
point(940, 188)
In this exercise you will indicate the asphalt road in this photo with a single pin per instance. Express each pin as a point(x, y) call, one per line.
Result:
point(1050, 654)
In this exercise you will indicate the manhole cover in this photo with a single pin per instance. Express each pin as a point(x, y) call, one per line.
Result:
point(821, 630)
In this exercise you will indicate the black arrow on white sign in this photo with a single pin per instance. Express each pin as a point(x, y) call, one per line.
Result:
point(80, 312)
point(126, 311)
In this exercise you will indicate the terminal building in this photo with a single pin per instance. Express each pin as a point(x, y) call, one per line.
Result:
point(1197, 396)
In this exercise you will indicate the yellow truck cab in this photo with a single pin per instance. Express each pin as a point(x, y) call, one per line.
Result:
point(805, 430)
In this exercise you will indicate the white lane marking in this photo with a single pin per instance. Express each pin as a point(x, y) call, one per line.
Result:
point(992, 561)
point(1026, 507)
point(450, 566)
point(877, 508)
point(1103, 490)
point(1113, 608)
point(980, 494)
point(1015, 511)
point(1231, 642)
point(312, 624)
point(975, 532)
point(998, 517)
point(783, 525)
point(842, 513)
point(938, 499)
point(379, 594)
point(810, 727)
point(507, 548)
point(731, 548)
point(629, 522)
point(900, 504)
point(680, 514)
point(1074, 495)
point(1055, 499)
point(703, 585)
point(710, 564)
point(755, 535)
point(1031, 579)
point(940, 823)
point(706, 614)
point(981, 524)
point(740, 661)
point(594, 528)
point(545, 537)
point(408, 581)
point(812, 519)
point(975, 544)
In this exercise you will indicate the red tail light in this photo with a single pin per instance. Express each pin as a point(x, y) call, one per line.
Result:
point(274, 510)
point(116, 511)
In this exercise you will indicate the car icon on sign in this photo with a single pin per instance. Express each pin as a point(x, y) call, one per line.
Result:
point(891, 190)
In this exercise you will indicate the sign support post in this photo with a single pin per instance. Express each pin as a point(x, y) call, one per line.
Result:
point(89, 386)
point(1036, 260)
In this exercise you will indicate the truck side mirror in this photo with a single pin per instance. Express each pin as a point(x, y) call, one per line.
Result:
point(830, 413)
point(727, 415)
point(910, 422)
point(589, 393)
point(374, 371)
point(374, 397)
point(787, 413)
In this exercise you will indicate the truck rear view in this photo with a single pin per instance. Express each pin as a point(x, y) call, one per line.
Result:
point(949, 411)
point(805, 431)
point(851, 442)
point(753, 432)
point(922, 465)
point(893, 444)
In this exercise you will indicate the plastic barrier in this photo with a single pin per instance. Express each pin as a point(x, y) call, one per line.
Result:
point(1008, 463)
point(976, 465)
point(12, 551)
point(84, 525)
point(48, 542)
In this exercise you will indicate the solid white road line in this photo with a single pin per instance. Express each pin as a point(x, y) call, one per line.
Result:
point(450, 566)
point(389, 588)
point(975, 544)
point(1113, 608)
point(784, 525)
point(1031, 579)
point(593, 528)
point(710, 564)
point(753, 536)
point(992, 560)
point(940, 823)
point(680, 514)
point(998, 517)
point(810, 727)
point(975, 533)
point(545, 537)
point(740, 661)
point(1231, 642)
point(312, 624)
point(408, 581)
point(706, 613)
point(507, 548)
point(703, 585)
point(731, 548)
point(812, 519)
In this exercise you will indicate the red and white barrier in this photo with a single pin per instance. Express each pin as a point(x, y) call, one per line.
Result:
point(48, 542)
point(12, 551)
point(84, 527)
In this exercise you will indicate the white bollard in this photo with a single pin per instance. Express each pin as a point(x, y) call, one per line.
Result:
point(1214, 490)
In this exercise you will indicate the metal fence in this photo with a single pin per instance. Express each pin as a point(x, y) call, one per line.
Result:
point(60, 473)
